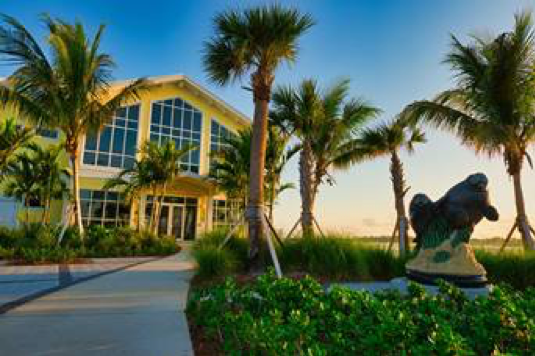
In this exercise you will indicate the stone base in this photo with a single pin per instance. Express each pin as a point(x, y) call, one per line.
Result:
point(476, 281)
point(401, 284)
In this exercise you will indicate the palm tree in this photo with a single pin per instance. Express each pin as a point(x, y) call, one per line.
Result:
point(491, 108)
point(11, 139)
point(278, 154)
point(69, 89)
point(230, 168)
point(254, 42)
point(133, 181)
point(163, 162)
point(387, 140)
point(22, 181)
point(327, 124)
point(51, 177)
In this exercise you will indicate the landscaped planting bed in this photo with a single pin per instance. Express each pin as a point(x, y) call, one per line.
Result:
point(36, 244)
point(273, 316)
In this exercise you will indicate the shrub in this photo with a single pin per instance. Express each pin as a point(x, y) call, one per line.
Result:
point(39, 244)
point(287, 317)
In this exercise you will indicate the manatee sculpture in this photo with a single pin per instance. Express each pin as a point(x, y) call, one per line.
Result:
point(443, 229)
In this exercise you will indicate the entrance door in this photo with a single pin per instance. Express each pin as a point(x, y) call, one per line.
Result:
point(163, 224)
point(177, 228)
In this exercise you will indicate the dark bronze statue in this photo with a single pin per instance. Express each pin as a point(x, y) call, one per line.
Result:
point(443, 229)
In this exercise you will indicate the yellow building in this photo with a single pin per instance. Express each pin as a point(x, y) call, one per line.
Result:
point(174, 108)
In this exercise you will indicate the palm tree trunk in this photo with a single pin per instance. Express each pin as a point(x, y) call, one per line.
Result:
point(256, 174)
point(273, 187)
point(306, 190)
point(522, 219)
point(398, 184)
point(153, 210)
point(159, 208)
point(76, 188)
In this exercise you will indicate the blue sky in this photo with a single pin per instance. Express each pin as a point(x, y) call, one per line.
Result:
point(391, 51)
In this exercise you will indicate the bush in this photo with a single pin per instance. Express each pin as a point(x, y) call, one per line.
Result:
point(288, 317)
point(39, 244)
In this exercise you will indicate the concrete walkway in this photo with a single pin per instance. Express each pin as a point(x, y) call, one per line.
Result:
point(137, 311)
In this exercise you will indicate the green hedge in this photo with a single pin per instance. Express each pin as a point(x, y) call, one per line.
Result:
point(36, 243)
point(297, 317)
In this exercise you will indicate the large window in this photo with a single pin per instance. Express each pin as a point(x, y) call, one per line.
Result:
point(175, 119)
point(115, 145)
point(218, 135)
point(225, 213)
point(104, 208)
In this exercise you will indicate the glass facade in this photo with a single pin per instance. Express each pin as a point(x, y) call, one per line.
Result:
point(175, 119)
point(116, 144)
point(225, 213)
point(218, 134)
point(104, 208)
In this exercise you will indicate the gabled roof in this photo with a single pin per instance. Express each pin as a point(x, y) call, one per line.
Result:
point(184, 80)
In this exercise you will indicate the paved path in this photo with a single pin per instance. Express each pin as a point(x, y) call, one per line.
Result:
point(137, 311)
point(22, 282)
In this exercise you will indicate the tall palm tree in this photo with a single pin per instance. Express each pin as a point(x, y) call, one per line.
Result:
point(22, 183)
point(492, 107)
point(69, 89)
point(133, 181)
point(387, 140)
point(51, 176)
point(254, 42)
point(327, 124)
point(12, 138)
point(163, 162)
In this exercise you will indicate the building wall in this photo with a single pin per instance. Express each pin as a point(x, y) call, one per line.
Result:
point(94, 177)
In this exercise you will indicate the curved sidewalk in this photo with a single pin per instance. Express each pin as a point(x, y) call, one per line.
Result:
point(137, 311)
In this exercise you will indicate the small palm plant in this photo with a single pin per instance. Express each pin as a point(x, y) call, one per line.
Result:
point(254, 42)
point(133, 181)
point(51, 176)
point(22, 182)
point(387, 140)
point(230, 168)
point(163, 162)
point(69, 89)
point(327, 125)
point(492, 107)
point(12, 137)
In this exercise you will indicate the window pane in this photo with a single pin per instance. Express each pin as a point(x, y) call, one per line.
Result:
point(166, 116)
point(97, 209)
point(85, 194)
point(133, 112)
point(111, 210)
point(156, 114)
point(197, 121)
point(116, 161)
point(105, 139)
point(187, 120)
point(91, 141)
point(169, 102)
point(177, 118)
point(120, 122)
point(89, 158)
point(178, 103)
point(121, 112)
point(118, 140)
point(98, 195)
point(128, 162)
point(131, 138)
point(103, 159)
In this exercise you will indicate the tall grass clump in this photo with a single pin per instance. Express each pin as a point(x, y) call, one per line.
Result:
point(339, 258)
point(213, 261)
point(514, 268)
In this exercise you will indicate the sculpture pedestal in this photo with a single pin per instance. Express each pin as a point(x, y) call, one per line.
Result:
point(431, 279)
